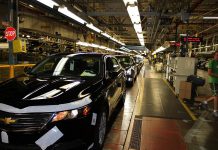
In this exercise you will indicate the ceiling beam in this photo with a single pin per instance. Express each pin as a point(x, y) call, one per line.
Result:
point(195, 5)
point(124, 13)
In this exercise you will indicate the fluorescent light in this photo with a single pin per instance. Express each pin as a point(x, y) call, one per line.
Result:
point(102, 47)
point(160, 49)
point(138, 28)
point(121, 52)
point(94, 46)
point(106, 35)
point(82, 43)
point(65, 11)
point(140, 36)
point(49, 3)
point(31, 6)
point(91, 26)
point(183, 34)
point(68, 13)
point(142, 43)
point(129, 2)
point(210, 17)
point(134, 14)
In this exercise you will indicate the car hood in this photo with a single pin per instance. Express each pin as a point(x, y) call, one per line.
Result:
point(27, 90)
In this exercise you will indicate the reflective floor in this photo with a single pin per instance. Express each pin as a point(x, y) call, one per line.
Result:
point(153, 119)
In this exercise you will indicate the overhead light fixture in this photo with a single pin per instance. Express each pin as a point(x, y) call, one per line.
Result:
point(160, 49)
point(210, 18)
point(126, 2)
point(140, 36)
point(31, 6)
point(121, 52)
point(138, 28)
point(65, 11)
point(106, 35)
point(134, 15)
point(91, 26)
point(49, 3)
point(68, 13)
point(183, 34)
point(94, 46)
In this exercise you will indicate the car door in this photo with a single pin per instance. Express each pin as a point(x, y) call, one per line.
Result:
point(119, 80)
point(110, 83)
point(116, 83)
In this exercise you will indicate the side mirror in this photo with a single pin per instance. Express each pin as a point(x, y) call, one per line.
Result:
point(27, 70)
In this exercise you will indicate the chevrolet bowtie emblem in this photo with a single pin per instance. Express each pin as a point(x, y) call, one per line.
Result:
point(7, 120)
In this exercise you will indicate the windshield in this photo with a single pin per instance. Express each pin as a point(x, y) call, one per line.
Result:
point(75, 66)
point(125, 61)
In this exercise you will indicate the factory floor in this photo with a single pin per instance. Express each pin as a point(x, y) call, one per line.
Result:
point(153, 118)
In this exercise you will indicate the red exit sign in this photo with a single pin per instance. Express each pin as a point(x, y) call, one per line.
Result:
point(192, 39)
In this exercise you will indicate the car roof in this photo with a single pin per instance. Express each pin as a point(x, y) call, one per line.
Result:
point(84, 54)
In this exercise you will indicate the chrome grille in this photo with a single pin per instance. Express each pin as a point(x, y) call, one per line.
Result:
point(24, 122)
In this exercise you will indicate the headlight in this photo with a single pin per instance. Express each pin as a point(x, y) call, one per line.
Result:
point(129, 71)
point(71, 114)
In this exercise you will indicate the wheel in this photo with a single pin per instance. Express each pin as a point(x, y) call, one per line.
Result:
point(100, 130)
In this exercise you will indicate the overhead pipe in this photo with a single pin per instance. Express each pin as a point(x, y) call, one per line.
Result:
point(156, 29)
point(195, 6)
point(164, 4)
point(197, 17)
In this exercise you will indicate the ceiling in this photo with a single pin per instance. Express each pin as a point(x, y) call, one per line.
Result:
point(161, 19)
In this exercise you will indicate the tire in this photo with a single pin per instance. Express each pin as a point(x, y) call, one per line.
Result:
point(100, 130)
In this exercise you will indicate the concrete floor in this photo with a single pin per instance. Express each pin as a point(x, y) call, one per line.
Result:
point(153, 119)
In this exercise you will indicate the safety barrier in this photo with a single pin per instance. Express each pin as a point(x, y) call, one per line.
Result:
point(10, 71)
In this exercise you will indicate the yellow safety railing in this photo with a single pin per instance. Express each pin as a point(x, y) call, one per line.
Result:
point(10, 71)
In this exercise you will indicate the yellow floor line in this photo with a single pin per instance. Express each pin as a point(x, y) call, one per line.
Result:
point(183, 104)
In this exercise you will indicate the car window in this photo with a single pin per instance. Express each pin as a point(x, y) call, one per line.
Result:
point(82, 67)
point(78, 65)
point(116, 65)
point(125, 61)
point(112, 64)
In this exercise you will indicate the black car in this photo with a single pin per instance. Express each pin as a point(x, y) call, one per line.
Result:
point(130, 67)
point(64, 102)
point(139, 62)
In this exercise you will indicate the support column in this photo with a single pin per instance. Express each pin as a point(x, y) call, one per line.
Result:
point(13, 8)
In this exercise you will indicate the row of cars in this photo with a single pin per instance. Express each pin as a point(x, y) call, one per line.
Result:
point(132, 66)
point(63, 102)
